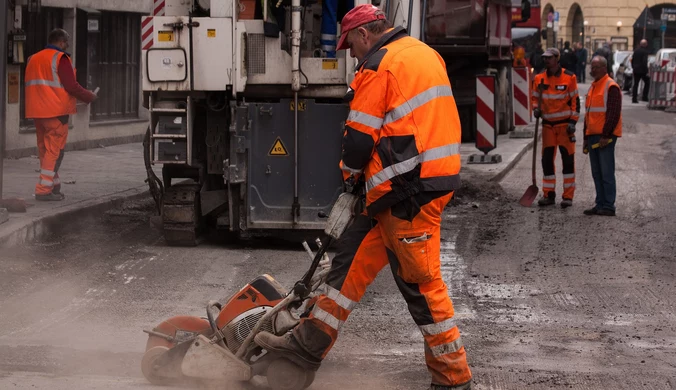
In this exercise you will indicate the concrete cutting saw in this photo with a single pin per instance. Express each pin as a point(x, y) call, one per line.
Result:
point(220, 347)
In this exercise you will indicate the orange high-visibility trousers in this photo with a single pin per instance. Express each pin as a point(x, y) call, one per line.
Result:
point(408, 239)
point(51, 139)
point(553, 137)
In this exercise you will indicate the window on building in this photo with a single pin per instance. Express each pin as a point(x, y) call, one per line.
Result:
point(37, 26)
point(114, 60)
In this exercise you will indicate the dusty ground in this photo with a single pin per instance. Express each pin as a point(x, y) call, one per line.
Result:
point(545, 299)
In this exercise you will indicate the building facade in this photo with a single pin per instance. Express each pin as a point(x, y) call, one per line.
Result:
point(623, 23)
point(105, 48)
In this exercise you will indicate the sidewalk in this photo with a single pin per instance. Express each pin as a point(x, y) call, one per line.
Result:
point(511, 150)
point(96, 180)
point(93, 181)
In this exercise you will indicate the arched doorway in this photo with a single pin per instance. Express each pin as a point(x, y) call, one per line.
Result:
point(575, 24)
point(549, 42)
point(648, 26)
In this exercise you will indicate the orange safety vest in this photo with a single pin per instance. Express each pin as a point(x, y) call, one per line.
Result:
point(403, 131)
point(45, 95)
point(560, 98)
point(596, 106)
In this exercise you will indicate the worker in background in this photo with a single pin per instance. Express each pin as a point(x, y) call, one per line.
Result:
point(519, 57)
point(568, 58)
point(639, 66)
point(402, 139)
point(560, 112)
point(602, 127)
point(51, 94)
point(331, 10)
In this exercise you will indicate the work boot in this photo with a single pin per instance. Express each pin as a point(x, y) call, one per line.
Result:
point(464, 386)
point(288, 347)
point(591, 211)
point(606, 212)
point(49, 197)
point(566, 203)
point(546, 201)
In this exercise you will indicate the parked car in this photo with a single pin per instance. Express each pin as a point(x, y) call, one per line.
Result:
point(618, 58)
point(625, 75)
point(666, 58)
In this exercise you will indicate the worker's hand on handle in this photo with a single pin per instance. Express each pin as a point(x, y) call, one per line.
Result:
point(537, 113)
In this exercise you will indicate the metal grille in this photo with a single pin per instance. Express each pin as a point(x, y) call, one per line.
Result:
point(114, 57)
point(255, 53)
point(239, 328)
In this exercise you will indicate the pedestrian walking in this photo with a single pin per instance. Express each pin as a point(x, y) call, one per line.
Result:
point(536, 59)
point(602, 127)
point(639, 66)
point(560, 112)
point(606, 52)
point(51, 95)
point(568, 59)
point(403, 115)
point(582, 55)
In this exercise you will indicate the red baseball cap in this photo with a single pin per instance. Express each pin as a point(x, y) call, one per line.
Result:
point(358, 16)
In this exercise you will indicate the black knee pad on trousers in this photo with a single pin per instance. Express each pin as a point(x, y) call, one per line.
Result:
point(58, 161)
point(548, 160)
point(568, 160)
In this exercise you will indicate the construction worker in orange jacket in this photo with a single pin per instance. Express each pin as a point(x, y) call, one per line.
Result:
point(560, 112)
point(602, 127)
point(402, 138)
point(51, 94)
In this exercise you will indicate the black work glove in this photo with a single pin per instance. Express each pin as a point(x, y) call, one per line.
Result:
point(571, 129)
point(585, 147)
point(537, 112)
point(571, 132)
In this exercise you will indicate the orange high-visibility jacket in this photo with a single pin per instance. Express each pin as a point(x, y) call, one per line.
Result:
point(560, 98)
point(403, 131)
point(45, 95)
point(595, 107)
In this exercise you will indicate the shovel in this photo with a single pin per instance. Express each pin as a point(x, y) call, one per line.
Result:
point(532, 192)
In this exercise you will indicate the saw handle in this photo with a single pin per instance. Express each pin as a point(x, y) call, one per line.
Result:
point(303, 288)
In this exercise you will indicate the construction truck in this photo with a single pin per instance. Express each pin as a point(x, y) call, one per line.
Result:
point(247, 110)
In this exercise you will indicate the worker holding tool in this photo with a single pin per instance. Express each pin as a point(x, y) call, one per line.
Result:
point(402, 140)
point(51, 94)
point(560, 112)
point(602, 127)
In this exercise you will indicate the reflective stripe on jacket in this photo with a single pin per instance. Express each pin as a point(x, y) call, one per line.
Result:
point(560, 98)
point(596, 105)
point(45, 95)
point(403, 131)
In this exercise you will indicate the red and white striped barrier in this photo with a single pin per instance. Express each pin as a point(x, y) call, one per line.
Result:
point(486, 118)
point(158, 8)
point(662, 89)
point(521, 101)
point(146, 32)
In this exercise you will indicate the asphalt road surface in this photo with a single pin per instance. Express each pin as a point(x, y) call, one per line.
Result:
point(544, 298)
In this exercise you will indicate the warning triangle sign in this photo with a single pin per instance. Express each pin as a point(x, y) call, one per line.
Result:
point(278, 149)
